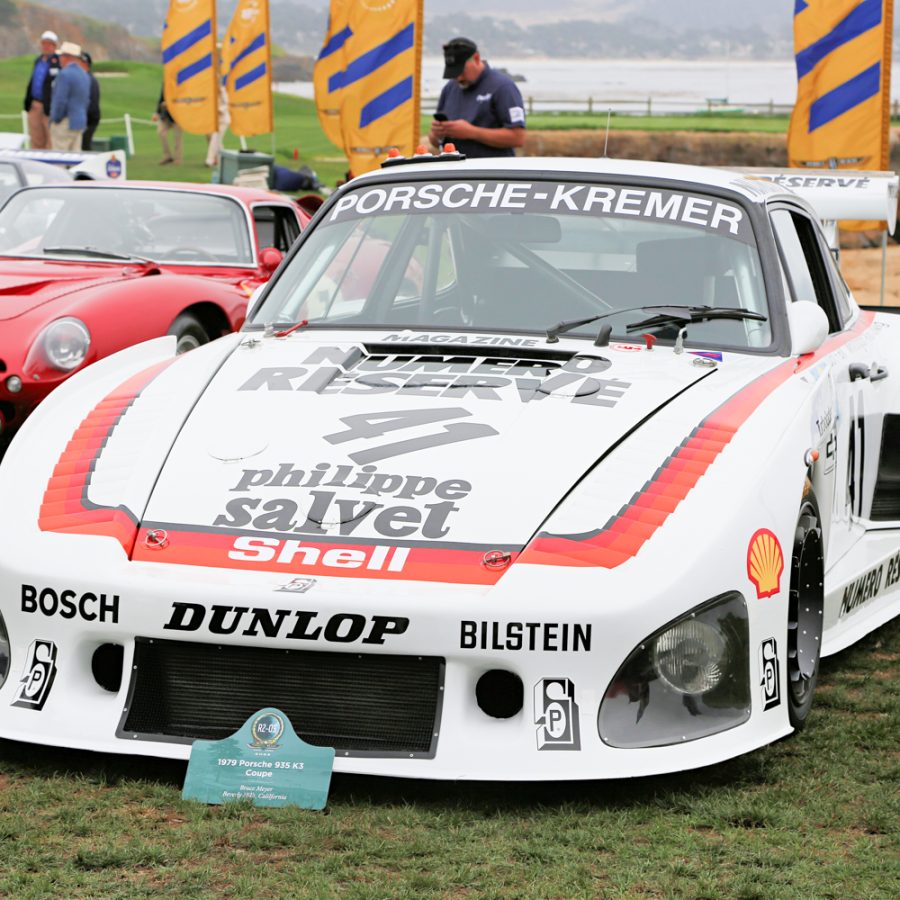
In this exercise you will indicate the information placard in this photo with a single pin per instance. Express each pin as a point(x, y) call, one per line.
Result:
point(264, 762)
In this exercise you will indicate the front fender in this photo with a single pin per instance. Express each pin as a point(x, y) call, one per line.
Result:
point(55, 481)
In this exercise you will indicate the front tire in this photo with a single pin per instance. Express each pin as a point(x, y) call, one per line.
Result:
point(806, 608)
point(189, 333)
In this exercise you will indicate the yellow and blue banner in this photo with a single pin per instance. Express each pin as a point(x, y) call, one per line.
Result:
point(190, 79)
point(367, 79)
point(843, 54)
point(247, 68)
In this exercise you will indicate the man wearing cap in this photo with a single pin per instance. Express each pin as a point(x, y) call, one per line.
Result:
point(71, 97)
point(480, 110)
point(37, 93)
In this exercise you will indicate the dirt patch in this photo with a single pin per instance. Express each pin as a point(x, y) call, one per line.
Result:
point(699, 148)
point(862, 269)
point(688, 147)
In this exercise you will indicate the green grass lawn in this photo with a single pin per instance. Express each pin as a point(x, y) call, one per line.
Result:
point(813, 816)
point(134, 88)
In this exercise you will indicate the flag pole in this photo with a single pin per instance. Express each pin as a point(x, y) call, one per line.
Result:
point(417, 76)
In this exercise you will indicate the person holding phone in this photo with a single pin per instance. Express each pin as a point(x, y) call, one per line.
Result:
point(480, 110)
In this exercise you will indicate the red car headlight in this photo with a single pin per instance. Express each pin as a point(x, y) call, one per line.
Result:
point(62, 345)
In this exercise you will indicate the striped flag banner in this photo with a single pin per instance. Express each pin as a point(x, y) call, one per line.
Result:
point(189, 65)
point(247, 68)
point(842, 115)
point(367, 78)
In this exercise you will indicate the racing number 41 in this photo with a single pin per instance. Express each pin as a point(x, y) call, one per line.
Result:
point(367, 426)
point(856, 456)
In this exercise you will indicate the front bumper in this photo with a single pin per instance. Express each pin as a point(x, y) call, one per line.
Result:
point(450, 634)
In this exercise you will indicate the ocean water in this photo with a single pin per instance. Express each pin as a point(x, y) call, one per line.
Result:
point(627, 85)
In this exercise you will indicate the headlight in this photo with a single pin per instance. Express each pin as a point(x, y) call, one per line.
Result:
point(4, 652)
point(688, 680)
point(66, 343)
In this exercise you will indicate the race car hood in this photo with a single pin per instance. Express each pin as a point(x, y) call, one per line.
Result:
point(309, 436)
point(27, 285)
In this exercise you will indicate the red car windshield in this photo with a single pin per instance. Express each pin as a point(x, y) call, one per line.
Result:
point(176, 227)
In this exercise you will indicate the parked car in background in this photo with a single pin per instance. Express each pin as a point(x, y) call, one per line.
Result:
point(89, 268)
point(17, 173)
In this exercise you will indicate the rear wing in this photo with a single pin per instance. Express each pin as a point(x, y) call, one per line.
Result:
point(81, 163)
point(839, 194)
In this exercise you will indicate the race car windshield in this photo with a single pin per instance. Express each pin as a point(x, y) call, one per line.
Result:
point(521, 256)
point(175, 227)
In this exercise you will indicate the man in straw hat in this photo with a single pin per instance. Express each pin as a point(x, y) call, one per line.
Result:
point(71, 96)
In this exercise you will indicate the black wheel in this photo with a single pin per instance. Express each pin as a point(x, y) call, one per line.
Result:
point(189, 333)
point(806, 607)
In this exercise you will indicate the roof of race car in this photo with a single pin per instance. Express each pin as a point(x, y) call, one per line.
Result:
point(755, 191)
point(244, 194)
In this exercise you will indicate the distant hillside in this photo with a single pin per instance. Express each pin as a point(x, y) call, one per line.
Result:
point(565, 28)
point(23, 24)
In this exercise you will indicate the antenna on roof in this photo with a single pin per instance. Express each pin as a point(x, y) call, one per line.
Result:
point(606, 139)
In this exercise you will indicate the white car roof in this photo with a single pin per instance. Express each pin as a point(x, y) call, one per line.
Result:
point(830, 194)
point(753, 190)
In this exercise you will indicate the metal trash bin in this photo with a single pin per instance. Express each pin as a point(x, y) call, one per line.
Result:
point(233, 161)
point(119, 142)
point(100, 144)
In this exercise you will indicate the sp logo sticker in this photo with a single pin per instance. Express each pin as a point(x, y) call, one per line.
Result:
point(556, 715)
point(297, 585)
point(37, 678)
point(770, 679)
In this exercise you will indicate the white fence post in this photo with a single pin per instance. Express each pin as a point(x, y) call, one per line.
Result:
point(130, 134)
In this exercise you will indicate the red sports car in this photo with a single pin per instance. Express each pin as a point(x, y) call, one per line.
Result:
point(88, 268)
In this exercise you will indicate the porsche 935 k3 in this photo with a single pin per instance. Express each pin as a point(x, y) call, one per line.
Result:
point(581, 479)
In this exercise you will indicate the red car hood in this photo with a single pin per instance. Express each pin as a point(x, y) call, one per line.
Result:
point(25, 285)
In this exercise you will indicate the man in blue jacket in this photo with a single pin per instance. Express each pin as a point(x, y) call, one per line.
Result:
point(480, 110)
point(37, 93)
point(69, 104)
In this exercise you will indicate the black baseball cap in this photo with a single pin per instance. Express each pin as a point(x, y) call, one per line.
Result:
point(457, 52)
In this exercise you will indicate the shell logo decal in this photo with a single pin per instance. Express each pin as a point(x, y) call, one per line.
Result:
point(765, 563)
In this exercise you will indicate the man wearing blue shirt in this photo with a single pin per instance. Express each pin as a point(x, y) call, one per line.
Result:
point(480, 110)
point(37, 93)
point(71, 96)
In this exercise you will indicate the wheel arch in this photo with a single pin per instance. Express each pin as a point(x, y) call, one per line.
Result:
point(211, 316)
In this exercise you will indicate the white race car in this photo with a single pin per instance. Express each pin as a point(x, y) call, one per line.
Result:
point(520, 469)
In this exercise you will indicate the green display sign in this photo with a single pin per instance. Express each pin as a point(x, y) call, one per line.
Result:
point(264, 762)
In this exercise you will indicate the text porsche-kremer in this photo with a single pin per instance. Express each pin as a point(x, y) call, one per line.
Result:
point(546, 469)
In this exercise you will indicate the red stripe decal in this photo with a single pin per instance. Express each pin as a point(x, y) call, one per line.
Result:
point(607, 547)
point(226, 550)
point(65, 507)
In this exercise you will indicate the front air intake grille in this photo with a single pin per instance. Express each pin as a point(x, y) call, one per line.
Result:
point(361, 704)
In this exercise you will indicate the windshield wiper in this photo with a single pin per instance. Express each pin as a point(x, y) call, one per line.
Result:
point(681, 315)
point(94, 253)
point(662, 315)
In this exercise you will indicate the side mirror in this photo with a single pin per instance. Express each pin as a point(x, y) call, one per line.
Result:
point(270, 260)
point(809, 327)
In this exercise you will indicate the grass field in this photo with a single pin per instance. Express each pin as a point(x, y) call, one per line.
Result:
point(134, 88)
point(814, 816)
